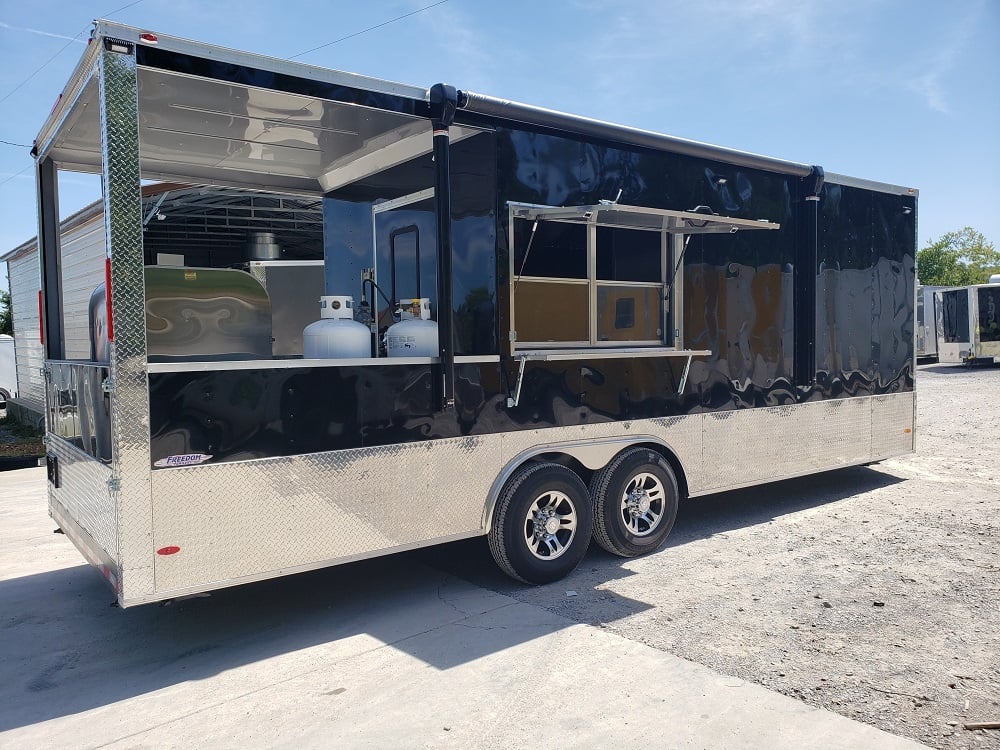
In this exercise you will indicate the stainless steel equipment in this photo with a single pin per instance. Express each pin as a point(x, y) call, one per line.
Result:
point(206, 314)
point(263, 246)
point(294, 288)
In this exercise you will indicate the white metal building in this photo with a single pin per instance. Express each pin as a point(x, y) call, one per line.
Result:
point(81, 233)
point(189, 221)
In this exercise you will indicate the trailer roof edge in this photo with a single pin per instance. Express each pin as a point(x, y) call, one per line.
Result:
point(64, 101)
point(273, 64)
point(473, 103)
point(531, 114)
point(880, 187)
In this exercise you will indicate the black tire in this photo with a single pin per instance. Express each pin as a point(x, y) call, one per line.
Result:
point(4, 397)
point(530, 538)
point(635, 502)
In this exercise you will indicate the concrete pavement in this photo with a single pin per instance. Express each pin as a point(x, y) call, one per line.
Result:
point(385, 653)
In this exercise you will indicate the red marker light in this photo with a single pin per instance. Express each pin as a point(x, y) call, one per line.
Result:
point(147, 37)
point(171, 550)
point(41, 320)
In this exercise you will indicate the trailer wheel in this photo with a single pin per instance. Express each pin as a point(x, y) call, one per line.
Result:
point(635, 502)
point(541, 524)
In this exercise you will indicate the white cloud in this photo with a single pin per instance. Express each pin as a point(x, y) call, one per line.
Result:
point(929, 87)
point(463, 44)
point(951, 43)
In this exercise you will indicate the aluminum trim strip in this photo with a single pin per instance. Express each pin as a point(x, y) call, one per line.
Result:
point(879, 187)
point(553, 355)
point(591, 215)
point(291, 364)
point(265, 263)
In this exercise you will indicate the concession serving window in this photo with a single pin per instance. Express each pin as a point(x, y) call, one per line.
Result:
point(603, 280)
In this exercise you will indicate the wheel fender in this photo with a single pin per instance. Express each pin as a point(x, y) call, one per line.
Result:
point(594, 454)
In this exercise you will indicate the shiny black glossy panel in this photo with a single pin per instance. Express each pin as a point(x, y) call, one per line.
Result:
point(243, 414)
point(154, 57)
point(240, 414)
point(989, 313)
point(234, 415)
point(955, 316)
point(864, 294)
point(739, 289)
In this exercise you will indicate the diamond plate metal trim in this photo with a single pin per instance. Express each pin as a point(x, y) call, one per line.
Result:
point(256, 518)
point(893, 424)
point(123, 226)
point(726, 450)
point(750, 446)
point(84, 494)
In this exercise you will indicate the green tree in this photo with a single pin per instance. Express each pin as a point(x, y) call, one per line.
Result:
point(958, 259)
point(6, 318)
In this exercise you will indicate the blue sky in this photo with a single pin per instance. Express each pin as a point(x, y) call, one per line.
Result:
point(894, 91)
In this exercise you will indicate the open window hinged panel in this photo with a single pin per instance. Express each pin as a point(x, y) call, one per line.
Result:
point(603, 281)
point(640, 218)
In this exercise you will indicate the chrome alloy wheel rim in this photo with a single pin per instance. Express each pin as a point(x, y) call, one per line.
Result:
point(550, 525)
point(642, 504)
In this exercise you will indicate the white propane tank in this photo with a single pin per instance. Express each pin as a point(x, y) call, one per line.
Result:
point(415, 335)
point(336, 335)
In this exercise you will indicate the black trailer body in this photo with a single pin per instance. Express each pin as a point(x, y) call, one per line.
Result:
point(570, 324)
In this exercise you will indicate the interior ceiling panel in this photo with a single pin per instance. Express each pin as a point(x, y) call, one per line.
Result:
point(201, 130)
point(230, 133)
point(77, 145)
point(182, 218)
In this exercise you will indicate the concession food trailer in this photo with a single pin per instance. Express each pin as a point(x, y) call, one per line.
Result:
point(503, 321)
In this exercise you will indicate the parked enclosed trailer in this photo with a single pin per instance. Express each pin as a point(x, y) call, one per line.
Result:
point(968, 324)
point(570, 324)
point(926, 325)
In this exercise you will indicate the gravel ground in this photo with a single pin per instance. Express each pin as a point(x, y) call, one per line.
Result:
point(873, 592)
point(17, 440)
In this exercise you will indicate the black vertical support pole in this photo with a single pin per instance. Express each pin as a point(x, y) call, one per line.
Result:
point(49, 255)
point(806, 269)
point(444, 101)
